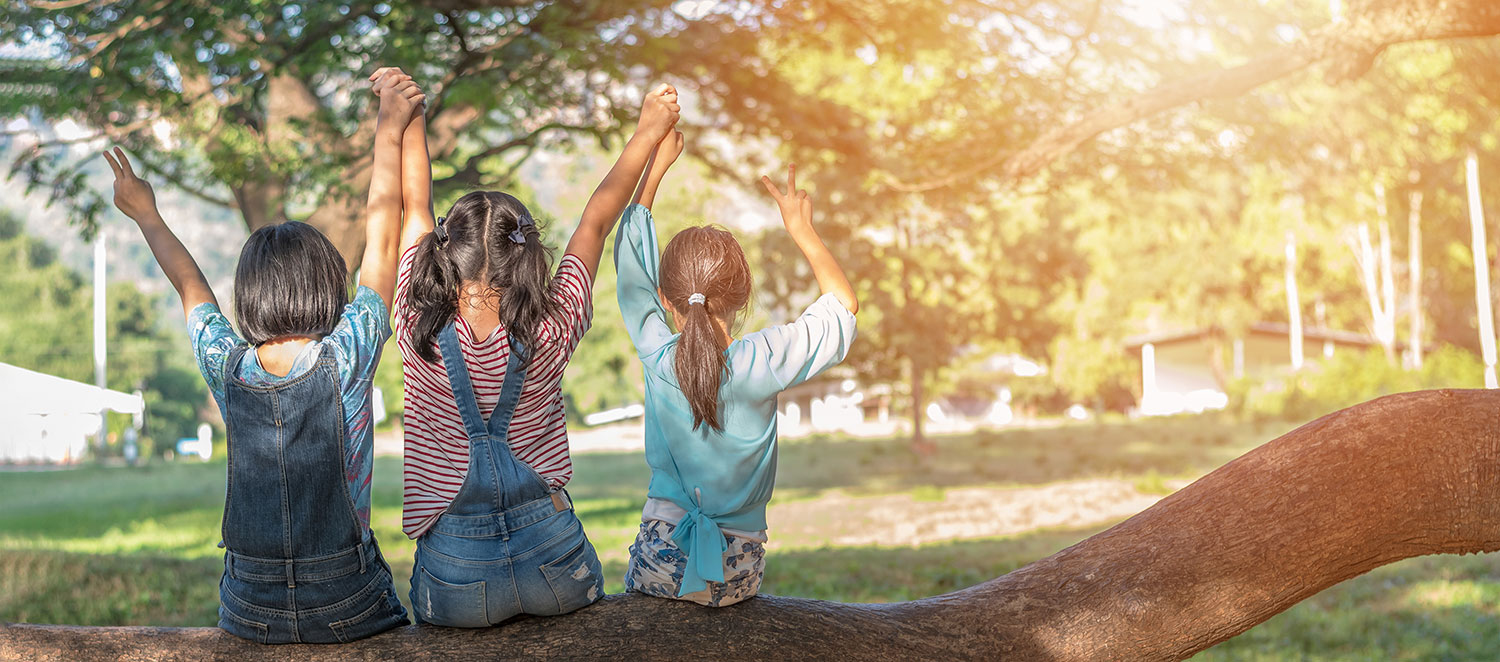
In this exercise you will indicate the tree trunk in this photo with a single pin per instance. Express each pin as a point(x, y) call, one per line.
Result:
point(1387, 278)
point(1481, 250)
point(919, 441)
point(1414, 269)
point(1293, 303)
point(1397, 477)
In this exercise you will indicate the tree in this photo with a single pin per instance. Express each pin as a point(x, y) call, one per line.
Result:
point(256, 107)
point(1328, 501)
point(44, 326)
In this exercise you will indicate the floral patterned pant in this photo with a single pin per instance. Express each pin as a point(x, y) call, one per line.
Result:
point(656, 567)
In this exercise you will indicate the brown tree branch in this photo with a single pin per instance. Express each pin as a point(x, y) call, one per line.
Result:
point(469, 173)
point(1401, 476)
point(1354, 41)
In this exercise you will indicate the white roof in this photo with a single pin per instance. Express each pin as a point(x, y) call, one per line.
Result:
point(25, 391)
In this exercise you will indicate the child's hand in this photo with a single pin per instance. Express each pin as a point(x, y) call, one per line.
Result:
point(658, 113)
point(796, 206)
point(667, 152)
point(132, 194)
point(400, 97)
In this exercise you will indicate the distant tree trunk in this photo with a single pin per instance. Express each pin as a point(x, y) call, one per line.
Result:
point(1374, 270)
point(1387, 278)
point(1293, 303)
point(1397, 477)
point(1481, 250)
point(1414, 269)
point(919, 441)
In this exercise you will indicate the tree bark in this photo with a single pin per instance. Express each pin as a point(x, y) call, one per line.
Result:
point(1397, 477)
point(1351, 44)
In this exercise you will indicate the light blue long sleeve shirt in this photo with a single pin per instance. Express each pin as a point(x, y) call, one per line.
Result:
point(721, 478)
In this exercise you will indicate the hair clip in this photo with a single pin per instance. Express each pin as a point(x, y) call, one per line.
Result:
point(523, 224)
point(440, 231)
point(698, 298)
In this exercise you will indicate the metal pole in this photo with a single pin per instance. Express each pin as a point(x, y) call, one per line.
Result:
point(99, 329)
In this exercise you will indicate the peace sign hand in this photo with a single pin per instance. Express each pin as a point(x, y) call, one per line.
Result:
point(132, 194)
point(795, 205)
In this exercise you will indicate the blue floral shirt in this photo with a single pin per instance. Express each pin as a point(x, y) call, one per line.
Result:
point(722, 479)
point(355, 342)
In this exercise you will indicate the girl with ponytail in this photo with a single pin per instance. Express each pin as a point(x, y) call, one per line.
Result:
point(485, 328)
point(711, 398)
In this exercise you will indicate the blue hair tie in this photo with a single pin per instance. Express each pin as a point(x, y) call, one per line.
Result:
point(523, 224)
point(440, 231)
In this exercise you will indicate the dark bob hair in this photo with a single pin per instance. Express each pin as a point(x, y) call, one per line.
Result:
point(290, 281)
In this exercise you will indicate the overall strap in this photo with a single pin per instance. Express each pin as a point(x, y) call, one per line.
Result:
point(458, 379)
point(233, 362)
point(510, 390)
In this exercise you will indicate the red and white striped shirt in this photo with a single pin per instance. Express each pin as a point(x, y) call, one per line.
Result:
point(437, 449)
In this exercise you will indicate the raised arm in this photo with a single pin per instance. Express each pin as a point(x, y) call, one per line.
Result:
point(796, 214)
point(666, 153)
point(658, 115)
point(135, 197)
point(399, 98)
point(417, 218)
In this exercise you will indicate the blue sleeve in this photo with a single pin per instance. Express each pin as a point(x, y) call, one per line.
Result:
point(637, 262)
point(790, 354)
point(360, 335)
point(212, 339)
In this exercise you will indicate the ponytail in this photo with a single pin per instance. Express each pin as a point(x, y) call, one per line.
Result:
point(522, 273)
point(700, 365)
point(431, 297)
point(705, 277)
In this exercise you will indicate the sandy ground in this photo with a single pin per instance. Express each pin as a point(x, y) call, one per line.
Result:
point(965, 513)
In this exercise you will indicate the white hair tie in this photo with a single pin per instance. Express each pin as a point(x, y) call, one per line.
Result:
point(696, 297)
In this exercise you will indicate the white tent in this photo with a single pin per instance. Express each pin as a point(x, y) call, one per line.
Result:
point(49, 419)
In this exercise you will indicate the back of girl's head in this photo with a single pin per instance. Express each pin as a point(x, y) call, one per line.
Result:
point(706, 261)
point(290, 281)
point(492, 243)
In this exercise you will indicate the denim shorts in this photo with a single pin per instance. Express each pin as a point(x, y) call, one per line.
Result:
point(338, 599)
point(479, 571)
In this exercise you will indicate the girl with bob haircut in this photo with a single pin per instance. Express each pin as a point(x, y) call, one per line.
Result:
point(486, 329)
point(300, 563)
point(710, 423)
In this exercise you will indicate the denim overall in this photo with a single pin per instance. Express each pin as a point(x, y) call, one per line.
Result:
point(295, 567)
point(507, 545)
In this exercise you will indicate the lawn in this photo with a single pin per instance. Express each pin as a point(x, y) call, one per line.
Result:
point(138, 546)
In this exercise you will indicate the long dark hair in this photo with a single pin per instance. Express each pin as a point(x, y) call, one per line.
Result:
point(290, 281)
point(480, 248)
point(707, 261)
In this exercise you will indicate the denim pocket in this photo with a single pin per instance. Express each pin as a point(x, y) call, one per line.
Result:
point(575, 578)
point(242, 627)
point(383, 614)
point(452, 605)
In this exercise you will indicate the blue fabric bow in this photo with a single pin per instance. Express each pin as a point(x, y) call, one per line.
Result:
point(699, 537)
point(523, 223)
point(440, 231)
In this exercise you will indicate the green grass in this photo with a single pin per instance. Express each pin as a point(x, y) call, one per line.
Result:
point(115, 546)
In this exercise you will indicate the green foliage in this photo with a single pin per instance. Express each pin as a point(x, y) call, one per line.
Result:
point(1350, 378)
point(46, 323)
